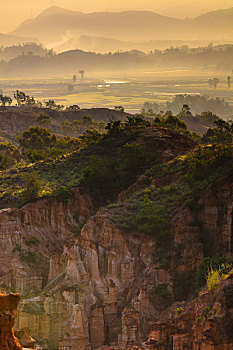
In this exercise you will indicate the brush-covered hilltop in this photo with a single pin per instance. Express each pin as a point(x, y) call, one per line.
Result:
point(111, 227)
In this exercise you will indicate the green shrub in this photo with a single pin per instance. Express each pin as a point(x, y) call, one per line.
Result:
point(206, 159)
point(162, 290)
point(213, 278)
point(174, 123)
point(179, 310)
point(9, 155)
point(32, 186)
point(40, 144)
point(206, 309)
point(136, 157)
point(37, 138)
point(221, 134)
point(206, 265)
point(102, 177)
point(35, 155)
point(220, 274)
point(63, 194)
point(79, 228)
point(149, 222)
point(32, 241)
point(19, 165)
point(136, 121)
point(76, 217)
point(4, 161)
point(90, 136)
point(28, 256)
point(43, 120)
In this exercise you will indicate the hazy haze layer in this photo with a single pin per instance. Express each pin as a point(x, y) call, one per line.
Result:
point(17, 11)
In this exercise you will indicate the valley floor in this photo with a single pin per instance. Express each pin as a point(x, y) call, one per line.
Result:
point(128, 90)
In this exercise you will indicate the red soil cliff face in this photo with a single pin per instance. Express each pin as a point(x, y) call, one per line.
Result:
point(203, 324)
point(8, 313)
point(103, 288)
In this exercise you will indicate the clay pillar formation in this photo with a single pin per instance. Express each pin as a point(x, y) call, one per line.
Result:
point(8, 314)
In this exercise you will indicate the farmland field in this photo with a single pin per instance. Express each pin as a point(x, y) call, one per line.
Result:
point(129, 91)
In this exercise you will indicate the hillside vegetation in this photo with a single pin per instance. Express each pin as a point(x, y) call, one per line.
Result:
point(108, 158)
point(145, 187)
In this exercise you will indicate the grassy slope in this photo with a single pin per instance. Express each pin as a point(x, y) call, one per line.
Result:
point(162, 144)
point(171, 185)
point(171, 178)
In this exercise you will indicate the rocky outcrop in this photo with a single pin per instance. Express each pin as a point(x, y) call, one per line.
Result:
point(8, 314)
point(205, 323)
point(108, 286)
point(25, 338)
point(205, 228)
point(31, 235)
point(101, 290)
point(215, 215)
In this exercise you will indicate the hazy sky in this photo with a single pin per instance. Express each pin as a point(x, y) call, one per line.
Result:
point(13, 12)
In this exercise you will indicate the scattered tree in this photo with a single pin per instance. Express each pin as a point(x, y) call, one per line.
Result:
point(5, 100)
point(119, 108)
point(73, 108)
point(81, 72)
point(20, 97)
point(51, 104)
point(185, 111)
point(215, 82)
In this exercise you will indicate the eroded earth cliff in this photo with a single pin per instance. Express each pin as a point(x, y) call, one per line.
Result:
point(8, 314)
point(108, 286)
point(88, 281)
point(204, 323)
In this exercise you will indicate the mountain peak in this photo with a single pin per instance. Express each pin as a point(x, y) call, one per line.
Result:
point(55, 10)
point(55, 24)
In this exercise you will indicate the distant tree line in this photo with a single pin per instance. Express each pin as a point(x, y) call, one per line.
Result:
point(21, 100)
point(198, 104)
point(28, 59)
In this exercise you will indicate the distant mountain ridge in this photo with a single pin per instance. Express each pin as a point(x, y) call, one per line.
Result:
point(105, 45)
point(56, 25)
point(9, 40)
point(182, 11)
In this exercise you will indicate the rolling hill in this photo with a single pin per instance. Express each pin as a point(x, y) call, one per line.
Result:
point(9, 40)
point(213, 25)
point(56, 25)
